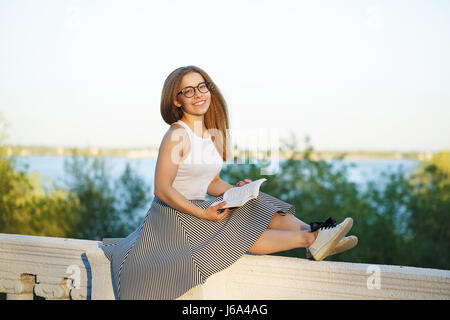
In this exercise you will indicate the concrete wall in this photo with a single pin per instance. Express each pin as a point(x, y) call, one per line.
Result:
point(58, 268)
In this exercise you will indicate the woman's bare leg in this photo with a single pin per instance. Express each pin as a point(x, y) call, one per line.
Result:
point(272, 241)
point(287, 222)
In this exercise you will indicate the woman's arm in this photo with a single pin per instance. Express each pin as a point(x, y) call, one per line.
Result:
point(217, 187)
point(177, 201)
point(169, 156)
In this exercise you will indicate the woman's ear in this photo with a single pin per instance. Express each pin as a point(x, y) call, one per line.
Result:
point(176, 103)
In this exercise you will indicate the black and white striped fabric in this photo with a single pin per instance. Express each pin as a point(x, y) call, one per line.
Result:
point(172, 252)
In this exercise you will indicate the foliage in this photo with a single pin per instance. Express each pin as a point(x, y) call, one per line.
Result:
point(25, 207)
point(108, 207)
point(95, 205)
point(442, 161)
point(428, 240)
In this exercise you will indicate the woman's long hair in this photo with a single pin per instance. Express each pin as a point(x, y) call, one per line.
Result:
point(215, 118)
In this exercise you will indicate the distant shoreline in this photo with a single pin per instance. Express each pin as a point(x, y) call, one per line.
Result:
point(152, 152)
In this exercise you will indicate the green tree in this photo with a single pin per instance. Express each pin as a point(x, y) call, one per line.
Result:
point(108, 207)
point(428, 235)
point(442, 161)
point(25, 206)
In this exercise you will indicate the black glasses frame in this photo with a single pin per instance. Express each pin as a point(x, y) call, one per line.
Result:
point(208, 85)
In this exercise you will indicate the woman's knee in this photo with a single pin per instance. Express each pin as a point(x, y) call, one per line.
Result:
point(273, 222)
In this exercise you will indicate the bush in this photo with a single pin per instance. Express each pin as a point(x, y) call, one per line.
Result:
point(108, 208)
point(93, 207)
point(428, 237)
point(26, 208)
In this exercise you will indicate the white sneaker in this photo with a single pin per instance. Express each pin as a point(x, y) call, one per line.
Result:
point(328, 237)
point(345, 244)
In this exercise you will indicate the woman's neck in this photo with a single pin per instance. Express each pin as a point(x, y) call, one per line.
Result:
point(195, 123)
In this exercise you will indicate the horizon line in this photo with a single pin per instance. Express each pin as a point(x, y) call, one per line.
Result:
point(153, 147)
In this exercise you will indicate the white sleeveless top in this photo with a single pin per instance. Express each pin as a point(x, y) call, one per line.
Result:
point(199, 168)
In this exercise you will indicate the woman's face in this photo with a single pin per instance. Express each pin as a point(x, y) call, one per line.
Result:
point(199, 103)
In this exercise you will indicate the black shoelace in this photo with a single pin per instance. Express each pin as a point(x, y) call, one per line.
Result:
point(329, 223)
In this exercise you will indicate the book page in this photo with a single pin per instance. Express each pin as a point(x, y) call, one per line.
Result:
point(237, 196)
point(240, 192)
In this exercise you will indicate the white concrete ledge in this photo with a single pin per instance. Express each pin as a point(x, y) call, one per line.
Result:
point(58, 268)
point(61, 268)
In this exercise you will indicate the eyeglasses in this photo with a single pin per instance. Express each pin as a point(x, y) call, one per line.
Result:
point(189, 92)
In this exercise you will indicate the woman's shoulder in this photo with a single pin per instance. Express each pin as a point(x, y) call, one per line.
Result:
point(174, 135)
point(176, 125)
point(175, 130)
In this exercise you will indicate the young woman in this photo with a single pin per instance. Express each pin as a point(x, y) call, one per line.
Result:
point(182, 240)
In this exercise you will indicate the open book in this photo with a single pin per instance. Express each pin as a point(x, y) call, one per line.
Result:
point(238, 196)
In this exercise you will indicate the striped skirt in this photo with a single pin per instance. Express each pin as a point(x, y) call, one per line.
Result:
point(172, 252)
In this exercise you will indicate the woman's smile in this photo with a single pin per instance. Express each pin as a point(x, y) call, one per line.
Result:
point(200, 103)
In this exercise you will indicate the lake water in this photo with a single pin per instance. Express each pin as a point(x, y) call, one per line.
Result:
point(52, 168)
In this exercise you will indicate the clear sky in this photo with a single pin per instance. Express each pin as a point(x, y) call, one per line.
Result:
point(353, 75)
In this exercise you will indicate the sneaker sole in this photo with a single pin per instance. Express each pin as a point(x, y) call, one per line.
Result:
point(323, 252)
point(345, 244)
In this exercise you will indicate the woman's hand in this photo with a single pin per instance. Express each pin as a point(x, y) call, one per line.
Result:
point(240, 183)
point(212, 214)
